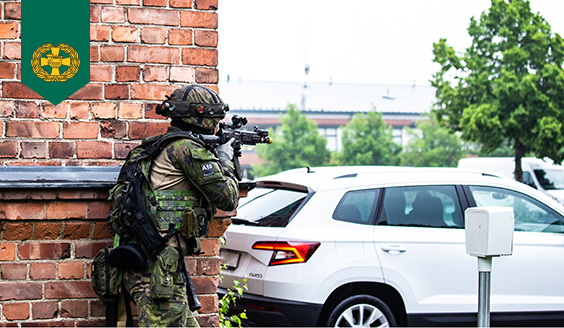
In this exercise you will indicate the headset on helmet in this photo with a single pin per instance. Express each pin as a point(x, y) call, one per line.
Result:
point(195, 105)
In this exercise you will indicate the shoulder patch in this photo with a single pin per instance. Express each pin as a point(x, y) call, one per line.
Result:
point(208, 169)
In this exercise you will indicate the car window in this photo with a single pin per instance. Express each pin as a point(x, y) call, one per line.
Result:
point(422, 206)
point(530, 214)
point(269, 207)
point(357, 206)
point(550, 179)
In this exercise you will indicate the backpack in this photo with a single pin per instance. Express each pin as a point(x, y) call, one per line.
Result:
point(128, 217)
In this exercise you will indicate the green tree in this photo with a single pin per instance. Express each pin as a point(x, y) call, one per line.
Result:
point(435, 146)
point(508, 86)
point(366, 141)
point(298, 144)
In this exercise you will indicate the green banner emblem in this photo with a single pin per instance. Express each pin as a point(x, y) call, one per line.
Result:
point(55, 47)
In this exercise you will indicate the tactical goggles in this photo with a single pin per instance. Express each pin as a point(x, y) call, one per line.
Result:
point(180, 109)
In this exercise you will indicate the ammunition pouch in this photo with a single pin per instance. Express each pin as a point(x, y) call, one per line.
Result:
point(105, 277)
point(164, 274)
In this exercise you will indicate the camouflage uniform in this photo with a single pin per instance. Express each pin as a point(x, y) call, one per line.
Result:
point(184, 165)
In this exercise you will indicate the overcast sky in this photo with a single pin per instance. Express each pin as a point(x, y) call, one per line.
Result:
point(361, 41)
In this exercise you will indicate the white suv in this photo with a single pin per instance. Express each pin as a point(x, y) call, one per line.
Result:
point(378, 246)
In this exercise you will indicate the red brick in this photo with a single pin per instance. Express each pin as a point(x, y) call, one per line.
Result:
point(93, 149)
point(13, 50)
point(23, 211)
point(76, 230)
point(8, 149)
point(130, 110)
point(198, 56)
point(74, 309)
point(127, 2)
point(179, 37)
point(42, 271)
point(205, 285)
point(103, 110)
point(117, 91)
point(101, 73)
point(36, 251)
point(207, 75)
point(152, 16)
point(205, 38)
point(34, 150)
point(112, 53)
point(153, 35)
point(7, 108)
point(69, 289)
point(150, 112)
point(127, 73)
point(122, 149)
point(8, 30)
point(26, 109)
point(18, 90)
point(210, 247)
point(217, 227)
point(15, 194)
point(151, 92)
point(80, 130)
point(198, 19)
point(52, 323)
point(66, 210)
point(154, 74)
point(16, 311)
point(94, 53)
point(79, 110)
point(44, 310)
point(142, 130)
point(99, 33)
point(182, 74)
point(98, 209)
point(209, 266)
point(77, 194)
point(209, 304)
point(181, 3)
point(18, 291)
point(113, 15)
point(18, 231)
point(94, 14)
point(12, 10)
point(59, 111)
point(49, 231)
point(146, 54)
point(102, 1)
point(124, 34)
point(13, 271)
point(7, 70)
point(32, 129)
point(97, 309)
point(61, 149)
point(71, 270)
point(91, 91)
point(155, 3)
point(42, 194)
point(7, 253)
point(90, 249)
point(113, 129)
point(101, 231)
point(206, 4)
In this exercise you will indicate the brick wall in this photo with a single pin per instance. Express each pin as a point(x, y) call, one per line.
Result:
point(48, 239)
point(140, 50)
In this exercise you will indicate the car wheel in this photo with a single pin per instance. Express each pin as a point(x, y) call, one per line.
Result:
point(361, 311)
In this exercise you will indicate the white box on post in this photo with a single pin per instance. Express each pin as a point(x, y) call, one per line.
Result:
point(489, 231)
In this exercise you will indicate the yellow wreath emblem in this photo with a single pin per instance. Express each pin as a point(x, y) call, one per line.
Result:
point(55, 61)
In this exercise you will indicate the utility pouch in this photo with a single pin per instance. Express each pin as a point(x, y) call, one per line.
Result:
point(164, 273)
point(192, 221)
point(105, 278)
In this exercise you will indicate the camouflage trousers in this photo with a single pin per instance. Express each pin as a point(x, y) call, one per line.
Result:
point(173, 312)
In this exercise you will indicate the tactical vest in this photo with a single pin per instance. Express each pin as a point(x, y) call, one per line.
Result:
point(168, 207)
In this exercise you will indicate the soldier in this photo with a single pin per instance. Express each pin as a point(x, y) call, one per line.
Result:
point(186, 177)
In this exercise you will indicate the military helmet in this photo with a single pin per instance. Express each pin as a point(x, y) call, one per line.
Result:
point(195, 105)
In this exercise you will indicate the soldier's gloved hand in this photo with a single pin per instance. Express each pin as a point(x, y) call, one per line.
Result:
point(226, 151)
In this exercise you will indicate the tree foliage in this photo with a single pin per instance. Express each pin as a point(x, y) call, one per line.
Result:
point(508, 86)
point(296, 144)
point(435, 146)
point(367, 141)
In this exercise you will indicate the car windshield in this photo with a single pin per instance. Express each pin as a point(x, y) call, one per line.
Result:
point(550, 179)
point(269, 207)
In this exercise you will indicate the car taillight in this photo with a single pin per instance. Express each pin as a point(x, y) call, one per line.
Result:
point(288, 252)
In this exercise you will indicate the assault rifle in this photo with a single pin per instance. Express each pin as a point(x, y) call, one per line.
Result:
point(227, 131)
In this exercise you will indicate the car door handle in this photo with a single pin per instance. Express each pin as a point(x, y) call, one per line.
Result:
point(394, 249)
